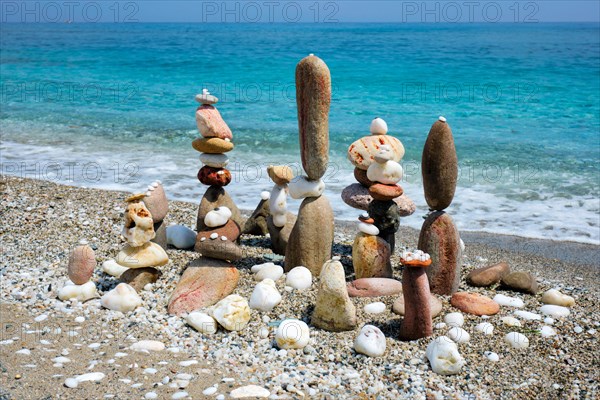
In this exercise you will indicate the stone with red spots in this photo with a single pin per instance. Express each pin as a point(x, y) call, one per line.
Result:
point(361, 153)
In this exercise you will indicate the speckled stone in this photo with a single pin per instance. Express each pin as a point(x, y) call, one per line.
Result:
point(214, 197)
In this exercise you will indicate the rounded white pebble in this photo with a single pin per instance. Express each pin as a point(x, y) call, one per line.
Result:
point(202, 322)
point(265, 296)
point(508, 301)
point(370, 341)
point(151, 395)
point(485, 327)
point(374, 308)
point(529, 316)
point(492, 356)
point(41, 318)
point(214, 235)
point(292, 334)
point(79, 320)
point(440, 325)
point(263, 332)
point(555, 311)
point(299, 278)
point(547, 331)
point(454, 319)
point(180, 395)
point(122, 298)
point(510, 321)
point(548, 320)
point(265, 195)
point(443, 119)
point(71, 383)
point(458, 335)
point(271, 271)
point(210, 390)
point(368, 229)
point(378, 127)
point(517, 340)
point(578, 329)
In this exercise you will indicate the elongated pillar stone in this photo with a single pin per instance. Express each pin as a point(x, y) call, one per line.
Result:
point(311, 238)
point(415, 288)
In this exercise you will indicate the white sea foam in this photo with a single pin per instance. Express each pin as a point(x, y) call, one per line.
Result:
point(499, 207)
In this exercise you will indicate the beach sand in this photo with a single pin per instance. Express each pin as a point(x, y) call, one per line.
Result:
point(43, 221)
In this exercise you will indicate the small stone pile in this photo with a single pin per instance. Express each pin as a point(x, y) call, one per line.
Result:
point(82, 262)
point(280, 222)
point(311, 238)
point(210, 278)
point(140, 254)
point(375, 159)
point(439, 236)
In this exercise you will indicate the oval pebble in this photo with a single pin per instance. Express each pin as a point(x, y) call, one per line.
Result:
point(555, 311)
point(458, 335)
point(490, 355)
point(454, 319)
point(374, 308)
point(71, 383)
point(516, 340)
point(209, 391)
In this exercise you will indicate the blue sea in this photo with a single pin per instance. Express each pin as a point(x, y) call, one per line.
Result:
point(112, 106)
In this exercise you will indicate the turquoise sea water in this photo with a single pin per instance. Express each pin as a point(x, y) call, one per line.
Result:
point(108, 105)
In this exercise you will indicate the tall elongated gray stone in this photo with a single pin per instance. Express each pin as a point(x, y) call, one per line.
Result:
point(439, 166)
point(313, 97)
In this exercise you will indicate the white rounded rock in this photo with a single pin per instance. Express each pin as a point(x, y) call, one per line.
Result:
point(122, 298)
point(547, 331)
point(278, 200)
point(292, 334)
point(265, 296)
point(147, 345)
point(79, 292)
point(510, 321)
point(516, 340)
point(490, 355)
point(90, 377)
point(214, 160)
point(454, 319)
point(272, 271)
point(232, 313)
point(250, 391)
point(485, 327)
point(299, 278)
point(378, 127)
point(553, 296)
point(370, 341)
point(265, 195)
point(217, 217)
point(529, 316)
point(444, 357)
point(279, 220)
point(368, 229)
point(181, 236)
point(71, 383)
point(112, 268)
point(301, 187)
point(555, 311)
point(374, 308)
point(508, 301)
point(459, 335)
point(202, 322)
point(258, 267)
point(388, 173)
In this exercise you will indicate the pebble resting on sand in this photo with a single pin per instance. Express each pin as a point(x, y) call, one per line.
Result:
point(311, 237)
point(439, 236)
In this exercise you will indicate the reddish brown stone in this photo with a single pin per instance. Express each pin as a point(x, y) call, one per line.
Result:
point(231, 230)
point(140, 277)
point(214, 176)
point(474, 303)
point(211, 124)
point(361, 177)
point(82, 262)
point(204, 282)
point(374, 287)
point(487, 276)
point(417, 313)
point(382, 192)
point(440, 239)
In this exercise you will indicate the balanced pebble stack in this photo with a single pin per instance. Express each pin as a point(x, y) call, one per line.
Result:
point(375, 159)
point(82, 262)
point(140, 254)
point(280, 222)
point(211, 278)
point(311, 238)
point(439, 236)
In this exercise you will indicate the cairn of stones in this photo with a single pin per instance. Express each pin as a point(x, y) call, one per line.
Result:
point(158, 205)
point(210, 278)
point(280, 222)
point(439, 236)
point(311, 238)
point(376, 168)
point(140, 254)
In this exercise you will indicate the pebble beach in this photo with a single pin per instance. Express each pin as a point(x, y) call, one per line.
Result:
point(60, 349)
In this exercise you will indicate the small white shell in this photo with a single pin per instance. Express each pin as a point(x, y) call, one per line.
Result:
point(214, 235)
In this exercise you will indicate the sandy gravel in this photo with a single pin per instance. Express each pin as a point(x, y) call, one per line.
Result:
point(42, 221)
